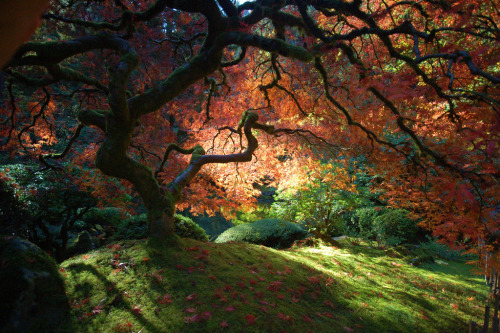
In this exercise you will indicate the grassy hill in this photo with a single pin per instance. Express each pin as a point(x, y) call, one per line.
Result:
point(135, 286)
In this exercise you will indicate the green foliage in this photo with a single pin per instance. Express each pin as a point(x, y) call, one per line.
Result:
point(394, 227)
point(274, 233)
point(441, 250)
point(250, 215)
point(387, 226)
point(50, 206)
point(361, 222)
point(187, 228)
point(135, 227)
point(13, 213)
point(325, 203)
point(104, 216)
point(213, 225)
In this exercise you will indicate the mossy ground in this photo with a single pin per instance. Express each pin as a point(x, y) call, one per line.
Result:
point(193, 286)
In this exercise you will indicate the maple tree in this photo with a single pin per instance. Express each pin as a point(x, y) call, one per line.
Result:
point(173, 95)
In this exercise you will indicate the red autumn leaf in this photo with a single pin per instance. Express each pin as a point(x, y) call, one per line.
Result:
point(328, 303)
point(423, 315)
point(284, 317)
point(275, 285)
point(166, 299)
point(313, 279)
point(259, 294)
point(224, 324)
point(97, 309)
point(192, 319)
point(230, 309)
point(306, 319)
point(136, 309)
point(191, 297)
point(250, 319)
point(206, 315)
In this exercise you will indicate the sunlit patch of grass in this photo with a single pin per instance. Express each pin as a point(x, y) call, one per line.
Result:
point(192, 286)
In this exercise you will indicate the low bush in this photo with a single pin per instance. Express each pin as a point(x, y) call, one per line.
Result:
point(103, 216)
point(186, 227)
point(441, 250)
point(361, 223)
point(269, 232)
point(136, 227)
point(389, 227)
point(394, 227)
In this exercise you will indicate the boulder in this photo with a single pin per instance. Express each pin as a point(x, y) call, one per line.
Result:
point(32, 295)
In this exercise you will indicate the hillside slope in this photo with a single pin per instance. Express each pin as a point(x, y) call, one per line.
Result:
point(135, 286)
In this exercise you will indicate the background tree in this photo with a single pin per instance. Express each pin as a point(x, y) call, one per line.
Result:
point(411, 84)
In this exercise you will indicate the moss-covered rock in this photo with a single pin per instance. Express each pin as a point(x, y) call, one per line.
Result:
point(32, 295)
point(269, 232)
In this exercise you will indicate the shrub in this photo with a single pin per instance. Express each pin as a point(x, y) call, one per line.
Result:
point(389, 227)
point(42, 208)
point(326, 201)
point(269, 232)
point(441, 250)
point(213, 225)
point(103, 216)
point(186, 227)
point(14, 216)
point(361, 223)
point(136, 227)
point(394, 227)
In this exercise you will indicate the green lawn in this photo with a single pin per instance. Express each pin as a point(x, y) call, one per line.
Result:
point(204, 287)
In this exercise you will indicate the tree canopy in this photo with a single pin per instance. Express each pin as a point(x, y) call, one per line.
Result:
point(173, 96)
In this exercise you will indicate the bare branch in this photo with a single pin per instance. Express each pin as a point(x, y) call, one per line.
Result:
point(66, 150)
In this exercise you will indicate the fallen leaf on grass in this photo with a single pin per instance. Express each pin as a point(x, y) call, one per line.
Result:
point(284, 317)
point(423, 315)
point(250, 319)
point(313, 279)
